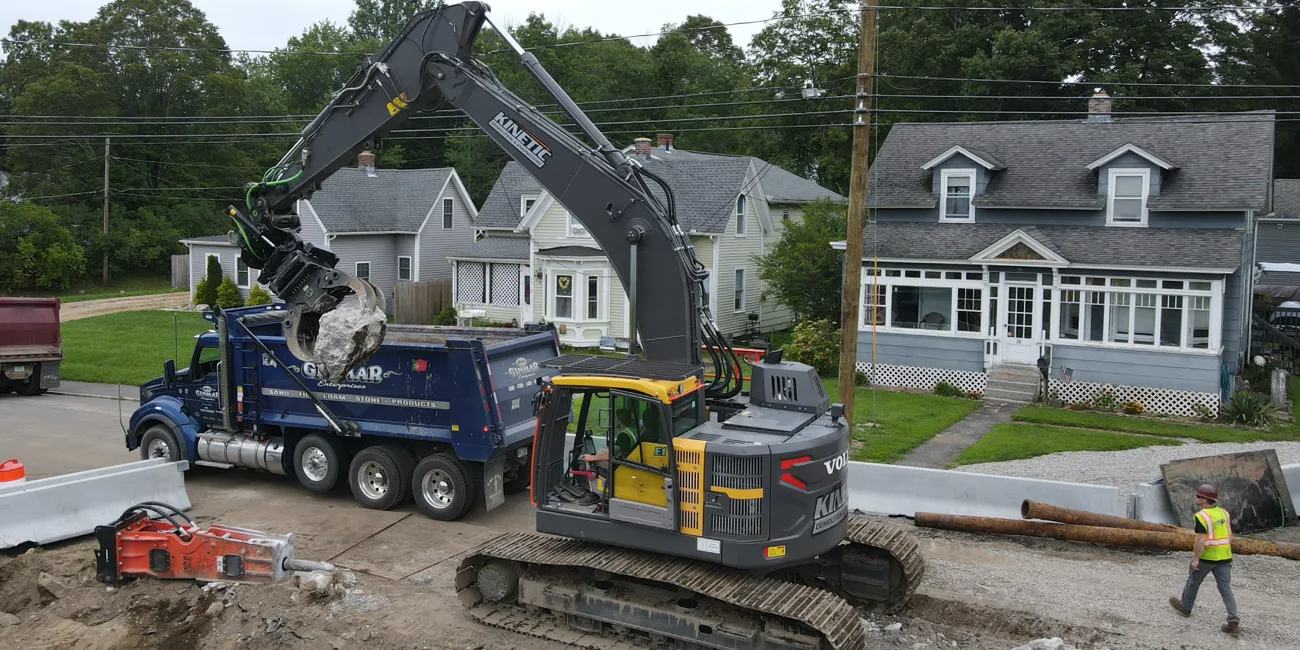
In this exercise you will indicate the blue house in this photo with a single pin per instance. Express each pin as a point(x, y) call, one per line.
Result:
point(1117, 249)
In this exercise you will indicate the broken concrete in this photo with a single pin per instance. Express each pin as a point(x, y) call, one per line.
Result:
point(347, 335)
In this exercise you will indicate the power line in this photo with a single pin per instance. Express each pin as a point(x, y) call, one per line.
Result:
point(1089, 83)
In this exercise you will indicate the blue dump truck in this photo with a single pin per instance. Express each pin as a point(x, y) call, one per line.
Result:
point(443, 414)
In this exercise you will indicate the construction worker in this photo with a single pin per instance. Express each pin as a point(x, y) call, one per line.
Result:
point(1212, 554)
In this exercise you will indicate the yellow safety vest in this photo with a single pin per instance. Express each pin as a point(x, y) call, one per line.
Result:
point(1218, 543)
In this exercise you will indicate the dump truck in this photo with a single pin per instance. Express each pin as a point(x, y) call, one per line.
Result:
point(441, 413)
point(30, 345)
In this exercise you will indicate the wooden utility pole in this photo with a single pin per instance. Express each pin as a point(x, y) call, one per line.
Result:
point(106, 209)
point(857, 207)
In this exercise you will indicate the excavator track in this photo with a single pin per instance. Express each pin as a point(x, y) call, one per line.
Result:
point(625, 598)
point(882, 536)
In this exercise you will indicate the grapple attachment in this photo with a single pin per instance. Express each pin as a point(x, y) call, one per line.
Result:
point(340, 325)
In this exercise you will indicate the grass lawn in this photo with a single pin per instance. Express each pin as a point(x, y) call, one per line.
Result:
point(906, 420)
point(128, 347)
point(91, 289)
point(1013, 441)
point(1202, 432)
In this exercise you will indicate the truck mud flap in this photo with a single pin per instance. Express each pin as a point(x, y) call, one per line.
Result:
point(494, 489)
point(49, 374)
point(61, 507)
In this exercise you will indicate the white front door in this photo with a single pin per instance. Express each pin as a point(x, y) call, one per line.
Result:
point(1018, 328)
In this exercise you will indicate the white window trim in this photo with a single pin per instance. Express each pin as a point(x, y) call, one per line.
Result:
point(742, 217)
point(1216, 315)
point(569, 222)
point(944, 175)
point(523, 203)
point(357, 270)
point(887, 284)
point(602, 295)
point(744, 290)
point(248, 273)
point(445, 201)
point(1110, 195)
point(411, 266)
point(575, 296)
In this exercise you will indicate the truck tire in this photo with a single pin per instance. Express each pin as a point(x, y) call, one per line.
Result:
point(32, 386)
point(158, 441)
point(316, 463)
point(380, 477)
point(444, 487)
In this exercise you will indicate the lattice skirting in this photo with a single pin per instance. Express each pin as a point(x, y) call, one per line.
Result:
point(1153, 400)
point(923, 378)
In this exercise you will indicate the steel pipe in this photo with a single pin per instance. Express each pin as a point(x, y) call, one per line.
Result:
point(1174, 541)
point(1034, 510)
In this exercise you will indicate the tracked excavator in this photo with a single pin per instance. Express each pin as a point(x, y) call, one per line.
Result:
point(672, 507)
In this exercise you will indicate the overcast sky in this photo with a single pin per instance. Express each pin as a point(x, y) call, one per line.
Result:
point(266, 24)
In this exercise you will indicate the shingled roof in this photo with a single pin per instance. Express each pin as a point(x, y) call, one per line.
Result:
point(703, 184)
point(1223, 161)
point(395, 200)
point(495, 248)
point(1207, 248)
point(1286, 198)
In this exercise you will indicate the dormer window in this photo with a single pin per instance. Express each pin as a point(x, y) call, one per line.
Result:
point(958, 186)
point(1126, 200)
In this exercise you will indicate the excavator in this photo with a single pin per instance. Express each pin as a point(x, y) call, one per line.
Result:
point(673, 508)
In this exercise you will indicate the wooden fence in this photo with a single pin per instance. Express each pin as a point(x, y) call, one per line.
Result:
point(418, 303)
point(180, 271)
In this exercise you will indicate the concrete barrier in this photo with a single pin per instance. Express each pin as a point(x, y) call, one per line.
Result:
point(61, 507)
point(900, 490)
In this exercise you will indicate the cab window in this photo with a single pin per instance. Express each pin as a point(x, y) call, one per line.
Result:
point(205, 362)
point(686, 413)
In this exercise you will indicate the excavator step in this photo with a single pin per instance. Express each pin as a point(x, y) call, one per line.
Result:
point(528, 583)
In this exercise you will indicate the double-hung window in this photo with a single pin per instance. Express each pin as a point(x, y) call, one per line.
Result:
point(363, 271)
point(241, 273)
point(742, 217)
point(958, 187)
point(1126, 200)
point(447, 221)
point(403, 267)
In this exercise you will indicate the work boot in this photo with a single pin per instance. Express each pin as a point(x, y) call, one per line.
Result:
point(1232, 627)
point(589, 499)
point(1178, 605)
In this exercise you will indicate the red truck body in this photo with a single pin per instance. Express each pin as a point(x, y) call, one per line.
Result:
point(30, 344)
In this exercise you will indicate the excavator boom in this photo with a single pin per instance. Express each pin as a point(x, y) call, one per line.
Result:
point(625, 208)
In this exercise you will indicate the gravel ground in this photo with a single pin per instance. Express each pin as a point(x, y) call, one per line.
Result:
point(1122, 469)
point(1094, 597)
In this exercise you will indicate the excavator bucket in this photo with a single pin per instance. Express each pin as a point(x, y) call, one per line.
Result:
point(339, 331)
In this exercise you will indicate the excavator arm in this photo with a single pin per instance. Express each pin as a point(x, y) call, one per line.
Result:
point(626, 209)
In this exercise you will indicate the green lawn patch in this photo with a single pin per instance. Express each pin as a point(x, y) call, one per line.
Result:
point(1013, 441)
point(1107, 422)
point(128, 347)
point(905, 420)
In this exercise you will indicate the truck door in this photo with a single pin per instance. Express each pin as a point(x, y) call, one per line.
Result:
point(202, 394)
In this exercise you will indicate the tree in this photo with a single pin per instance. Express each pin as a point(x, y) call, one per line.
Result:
point(383, 20)
point(258, 296)
point(1259, 47)
point(228, 294)
point(212, 280)
point(36, 253)
point(801, 270)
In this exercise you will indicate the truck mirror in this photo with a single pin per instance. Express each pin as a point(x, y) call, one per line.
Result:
point(603, 419)
point(169, 372)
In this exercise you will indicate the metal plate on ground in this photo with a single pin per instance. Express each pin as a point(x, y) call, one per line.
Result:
point(1251, 488)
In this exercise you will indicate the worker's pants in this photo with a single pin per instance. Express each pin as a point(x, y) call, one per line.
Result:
point(1222, 577)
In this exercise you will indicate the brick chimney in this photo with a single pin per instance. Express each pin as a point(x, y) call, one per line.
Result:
point(366, 161)
point(643, 147)
point(665, 141)
point(1099, 106)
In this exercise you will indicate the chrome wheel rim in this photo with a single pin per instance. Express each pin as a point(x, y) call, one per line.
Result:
point(160, 449)
point(373, 480)
point(314, 464)
point(437, 488)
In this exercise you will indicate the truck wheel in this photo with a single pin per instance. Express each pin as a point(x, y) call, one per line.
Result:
point(33, 384)
point(444, 487)
point(159, 442)
point(379, 478)
point(316, 463)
